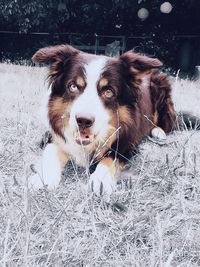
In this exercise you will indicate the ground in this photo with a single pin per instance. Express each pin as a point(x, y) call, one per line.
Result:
point(70, 227)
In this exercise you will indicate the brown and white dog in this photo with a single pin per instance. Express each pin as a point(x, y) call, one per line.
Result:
point(99, 110)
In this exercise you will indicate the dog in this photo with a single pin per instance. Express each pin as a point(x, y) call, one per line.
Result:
point(99, 110)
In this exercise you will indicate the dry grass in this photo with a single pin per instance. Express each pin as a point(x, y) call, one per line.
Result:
point(70, 227)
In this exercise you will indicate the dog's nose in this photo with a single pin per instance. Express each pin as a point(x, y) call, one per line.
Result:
point(84, 120)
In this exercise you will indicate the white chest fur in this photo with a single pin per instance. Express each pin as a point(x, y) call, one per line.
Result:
point(80, 154)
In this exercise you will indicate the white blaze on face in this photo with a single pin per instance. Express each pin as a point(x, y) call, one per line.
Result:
point(89, 101)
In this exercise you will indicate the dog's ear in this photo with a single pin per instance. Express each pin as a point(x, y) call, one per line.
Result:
point(137, 71)
point(49, 55)
point(139, 64)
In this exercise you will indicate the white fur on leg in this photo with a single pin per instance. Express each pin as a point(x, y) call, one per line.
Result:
point(101, 181)
point(48, 169)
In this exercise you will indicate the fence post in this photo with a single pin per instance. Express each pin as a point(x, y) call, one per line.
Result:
point(96, 43)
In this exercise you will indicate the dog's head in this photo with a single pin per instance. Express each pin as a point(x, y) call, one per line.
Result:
point(94, 94)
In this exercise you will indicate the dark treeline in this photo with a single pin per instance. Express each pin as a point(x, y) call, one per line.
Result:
point(97, 16)
point(162, 30)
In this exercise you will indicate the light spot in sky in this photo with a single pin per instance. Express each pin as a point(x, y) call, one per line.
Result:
point(166, 7)
point(143, 13)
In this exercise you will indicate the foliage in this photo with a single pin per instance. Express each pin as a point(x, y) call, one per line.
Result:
point(108, 17)
point(87, 17)
point(24, 16)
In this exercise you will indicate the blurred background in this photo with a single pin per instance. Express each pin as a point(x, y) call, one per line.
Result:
point(169, 30)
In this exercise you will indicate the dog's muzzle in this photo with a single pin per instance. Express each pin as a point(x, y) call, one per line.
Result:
point(84, 122)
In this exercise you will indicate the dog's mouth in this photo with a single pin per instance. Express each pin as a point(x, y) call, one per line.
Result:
point(84, 138)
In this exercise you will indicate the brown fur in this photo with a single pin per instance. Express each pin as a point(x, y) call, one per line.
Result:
point(103, 82)
point(163, 107)
point(56, 108)
point(63, 157)
point(80, 81)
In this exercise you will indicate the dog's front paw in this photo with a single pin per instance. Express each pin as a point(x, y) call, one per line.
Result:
point(36, 181)
point(102, 182)
point(47, 170)
point(44, 177)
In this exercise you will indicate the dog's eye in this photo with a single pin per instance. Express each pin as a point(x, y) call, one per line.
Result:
point(108, 93)
point(73, 88)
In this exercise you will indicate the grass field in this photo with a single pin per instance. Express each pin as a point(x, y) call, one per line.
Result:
point(70, 227)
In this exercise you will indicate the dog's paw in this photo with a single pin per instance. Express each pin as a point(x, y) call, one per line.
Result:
point(102, 182)
point(35, 181)
point(158, 133)
point(41, 178)
point(47, 170)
